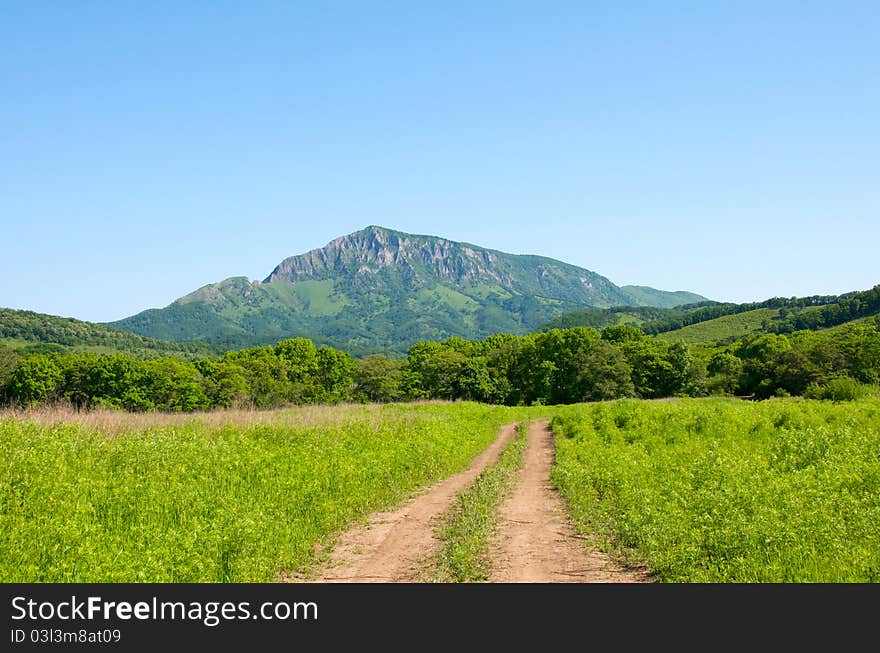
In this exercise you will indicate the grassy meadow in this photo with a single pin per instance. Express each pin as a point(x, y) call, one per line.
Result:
point(722, 329)
point(723, 490)
point(220, 497)
point(699, 490)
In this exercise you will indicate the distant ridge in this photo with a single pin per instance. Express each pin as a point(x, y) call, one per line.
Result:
point(644, 296)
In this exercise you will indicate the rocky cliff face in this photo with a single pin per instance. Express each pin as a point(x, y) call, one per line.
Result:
point(427, 260)
point(375, 248)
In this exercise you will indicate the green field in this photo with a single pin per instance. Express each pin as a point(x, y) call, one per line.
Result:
point(846, 326)
point(722, 329)
point(698, 490)
point(316, 297)
point(728, 491)
point(159, 498)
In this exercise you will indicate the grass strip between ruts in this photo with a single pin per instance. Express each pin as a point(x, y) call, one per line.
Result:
point(468, 526)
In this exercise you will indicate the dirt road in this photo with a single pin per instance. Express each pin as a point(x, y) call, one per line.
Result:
point(535, 541)
point(394, 545)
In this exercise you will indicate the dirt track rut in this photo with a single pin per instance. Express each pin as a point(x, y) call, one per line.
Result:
point(394, 546)
point(535, 541)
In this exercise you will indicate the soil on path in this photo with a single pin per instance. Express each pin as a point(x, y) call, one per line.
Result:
point(394, 546)
point(535, 541)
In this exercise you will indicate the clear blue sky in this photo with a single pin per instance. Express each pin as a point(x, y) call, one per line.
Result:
point(149, 148)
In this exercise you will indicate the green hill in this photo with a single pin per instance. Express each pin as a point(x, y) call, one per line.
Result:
point(25, 332)
point(382, 290)
point(722, 329)
point(599, 318)
point(713, 322)
point(776, 315)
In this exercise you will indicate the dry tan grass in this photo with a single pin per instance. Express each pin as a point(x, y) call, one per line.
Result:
point(116, 422)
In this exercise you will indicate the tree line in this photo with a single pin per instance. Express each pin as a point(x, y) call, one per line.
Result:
point(845, 309)
point(819, 364)
point(560, 366)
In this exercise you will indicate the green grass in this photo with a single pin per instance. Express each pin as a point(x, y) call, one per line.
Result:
point(728, 491)
point(207, 501)
point(428, 297)
point(465, 533)
point(487, 290)
point(721, 328)
point(840, 328)
point(633, 319)
point(318, 297)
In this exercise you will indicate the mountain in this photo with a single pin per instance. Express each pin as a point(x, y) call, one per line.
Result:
point(381, 290)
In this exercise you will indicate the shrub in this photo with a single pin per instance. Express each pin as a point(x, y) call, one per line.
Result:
point(842, 388)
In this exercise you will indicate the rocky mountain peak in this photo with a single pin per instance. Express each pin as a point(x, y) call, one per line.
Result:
point(375, 248)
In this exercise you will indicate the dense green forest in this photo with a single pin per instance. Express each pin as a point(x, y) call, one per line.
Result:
point(560, 366)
